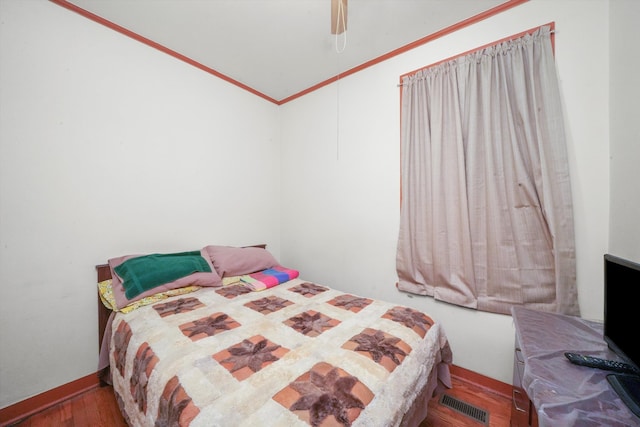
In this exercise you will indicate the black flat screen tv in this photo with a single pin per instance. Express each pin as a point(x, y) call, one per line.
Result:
point(621, 323)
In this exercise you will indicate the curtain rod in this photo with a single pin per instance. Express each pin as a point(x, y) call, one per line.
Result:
point(552, 31)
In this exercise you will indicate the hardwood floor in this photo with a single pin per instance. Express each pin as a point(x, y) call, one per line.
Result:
point(98, 408)
point(497, 405)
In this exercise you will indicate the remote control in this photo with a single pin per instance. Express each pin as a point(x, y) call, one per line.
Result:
point(606, 364)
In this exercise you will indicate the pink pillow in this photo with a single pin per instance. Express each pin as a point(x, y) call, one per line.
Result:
point(236, 261)
point(197, 279)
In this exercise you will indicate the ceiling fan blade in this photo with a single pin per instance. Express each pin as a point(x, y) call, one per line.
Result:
point(338, 16)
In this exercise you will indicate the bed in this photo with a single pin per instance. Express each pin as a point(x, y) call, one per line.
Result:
point(252, 343)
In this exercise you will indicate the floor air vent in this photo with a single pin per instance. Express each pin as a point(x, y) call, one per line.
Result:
point(465, 408)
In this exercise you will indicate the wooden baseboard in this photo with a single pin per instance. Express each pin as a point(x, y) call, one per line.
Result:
point(21, 410)
point(491, 384)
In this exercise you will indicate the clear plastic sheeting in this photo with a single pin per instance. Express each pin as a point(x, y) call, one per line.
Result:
point(565, 394)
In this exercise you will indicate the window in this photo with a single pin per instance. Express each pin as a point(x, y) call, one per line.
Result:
point(487, 216)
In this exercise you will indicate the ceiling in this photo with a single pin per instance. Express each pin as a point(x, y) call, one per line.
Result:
point(279, 48)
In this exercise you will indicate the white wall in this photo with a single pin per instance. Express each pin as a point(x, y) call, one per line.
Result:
point(109, 147)
point(344, 176)
point(82, 107)
point(625, 135)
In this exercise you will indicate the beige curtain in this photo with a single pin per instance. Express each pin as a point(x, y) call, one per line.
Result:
point(487, 217)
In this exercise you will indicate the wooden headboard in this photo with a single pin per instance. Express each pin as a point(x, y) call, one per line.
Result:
point(104, 273)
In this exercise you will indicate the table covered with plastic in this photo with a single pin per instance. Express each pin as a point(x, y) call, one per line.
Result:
point(565, 394)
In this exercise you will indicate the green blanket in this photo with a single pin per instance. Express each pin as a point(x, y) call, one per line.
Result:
point(149, 271)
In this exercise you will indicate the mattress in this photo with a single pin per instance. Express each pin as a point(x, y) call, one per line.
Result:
point(299, 353)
